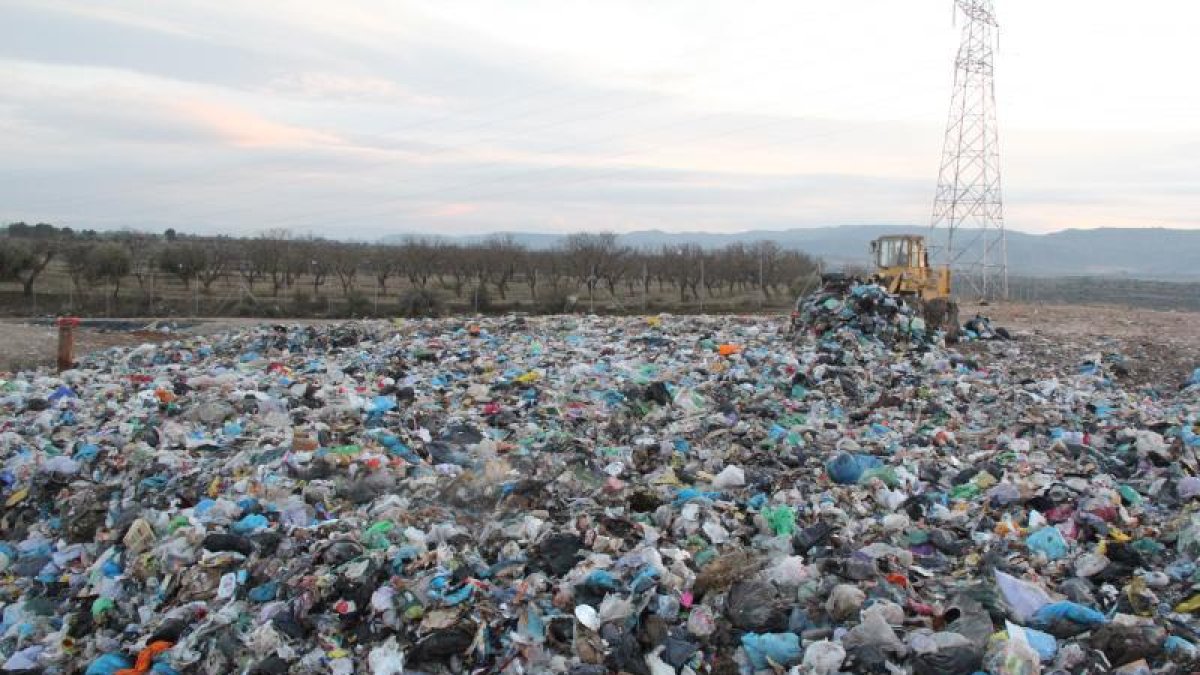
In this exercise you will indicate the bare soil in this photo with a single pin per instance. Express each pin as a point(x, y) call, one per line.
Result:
point(1161, 348)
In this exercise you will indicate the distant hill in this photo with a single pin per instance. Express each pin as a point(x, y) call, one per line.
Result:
point(1148, 253)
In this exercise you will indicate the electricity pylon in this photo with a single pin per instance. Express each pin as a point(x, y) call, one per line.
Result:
point(967, 230)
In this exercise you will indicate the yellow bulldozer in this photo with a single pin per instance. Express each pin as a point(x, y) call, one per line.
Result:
point(902, 267)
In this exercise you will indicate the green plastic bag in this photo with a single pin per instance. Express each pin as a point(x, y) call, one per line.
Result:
point(782, 519)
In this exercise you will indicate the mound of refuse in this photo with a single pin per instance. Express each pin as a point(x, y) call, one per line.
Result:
point(596, 495)
point(866, 309)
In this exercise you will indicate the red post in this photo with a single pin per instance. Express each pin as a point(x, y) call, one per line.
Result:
point(66, 342)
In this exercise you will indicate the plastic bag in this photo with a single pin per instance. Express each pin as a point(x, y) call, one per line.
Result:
point(1023, 598)
point(1042, 643)
point(782, 519)
point(847, 469)
point(730, 477)
point(1014, 656)
point(844, 601)
point(1049, 542)
point(765, 649)
point(108, 664)
point(823, 658)
point(1066, 618)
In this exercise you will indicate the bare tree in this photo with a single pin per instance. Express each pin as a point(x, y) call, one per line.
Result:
point(217, 256)
point(143, 252)
point(345, 260)
point(455, 263)
point(253, 264)
point(505, 256)
point(420, 260)
point(313, 257)
point(270, 254)
point(383, 262)
point(593, 258)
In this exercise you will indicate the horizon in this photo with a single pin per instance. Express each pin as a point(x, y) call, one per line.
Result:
point(681, 233)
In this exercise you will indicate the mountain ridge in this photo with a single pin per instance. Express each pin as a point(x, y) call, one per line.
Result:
point(1145, 253)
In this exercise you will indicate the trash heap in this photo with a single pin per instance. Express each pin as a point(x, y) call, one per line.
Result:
point(595, 495)
point(980, 327)
point(867, 309)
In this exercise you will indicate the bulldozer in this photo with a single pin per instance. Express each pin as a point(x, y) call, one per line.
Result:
point(902, 267)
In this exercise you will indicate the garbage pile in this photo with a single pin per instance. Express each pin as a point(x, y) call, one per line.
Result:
point(867, 309)
point(980, 327)
point(594, 495)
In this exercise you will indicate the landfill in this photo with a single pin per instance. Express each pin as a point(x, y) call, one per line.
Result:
point(589, 495)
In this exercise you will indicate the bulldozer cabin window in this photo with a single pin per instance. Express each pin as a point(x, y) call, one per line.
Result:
point(894, 253)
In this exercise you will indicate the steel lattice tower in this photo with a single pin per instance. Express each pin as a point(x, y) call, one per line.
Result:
point(967, 230)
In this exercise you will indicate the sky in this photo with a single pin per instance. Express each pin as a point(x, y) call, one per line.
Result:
point(357, 119)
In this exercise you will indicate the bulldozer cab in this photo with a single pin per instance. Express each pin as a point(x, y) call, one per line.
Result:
point(902, 266)
point(906, 251)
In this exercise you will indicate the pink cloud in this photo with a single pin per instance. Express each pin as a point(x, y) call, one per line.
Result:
point(247, 129)
point(333, 86)
point(453, 210)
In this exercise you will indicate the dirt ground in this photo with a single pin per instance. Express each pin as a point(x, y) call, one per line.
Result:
point(1161, 347)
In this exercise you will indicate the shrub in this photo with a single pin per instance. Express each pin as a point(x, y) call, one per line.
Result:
point(415, 302)
point(556, 301)
point(301, 302)
point(480, 299)
point(358, 305)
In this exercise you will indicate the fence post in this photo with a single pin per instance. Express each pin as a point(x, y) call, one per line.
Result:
point(66, 342)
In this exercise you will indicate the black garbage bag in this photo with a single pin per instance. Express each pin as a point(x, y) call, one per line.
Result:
point(557, 554)
point(1124, 644)
point(658, 393)
point(445, 642)
point(756, 606)
point(959, 660)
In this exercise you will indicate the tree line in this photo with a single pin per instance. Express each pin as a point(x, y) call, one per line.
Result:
point(587, 267)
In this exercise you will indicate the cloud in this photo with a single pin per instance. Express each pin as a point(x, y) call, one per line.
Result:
point(327, 86)
point(475, 115)
point(453, 210)
point(245, 128)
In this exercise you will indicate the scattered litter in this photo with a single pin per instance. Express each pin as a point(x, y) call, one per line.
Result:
point(594, 495)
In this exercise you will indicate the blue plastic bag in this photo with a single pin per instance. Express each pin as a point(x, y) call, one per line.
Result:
point(1050, 614)
point(601, 579)
point(108, 664)
point(688, 494)
point(383, 404)
point(1178, 646)
point(87, 451)
point(265, 592)
point(766, 648)
point(645, 579)
point(251, 523)
point(437, 591)
point(1048, 541)
point(1043, 643)
point(844, 469)
point(847, 469)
